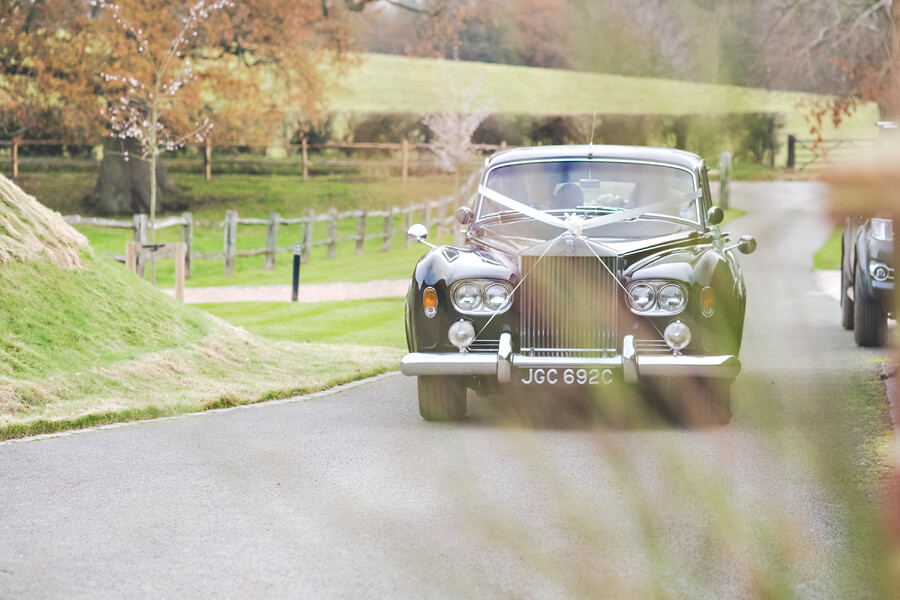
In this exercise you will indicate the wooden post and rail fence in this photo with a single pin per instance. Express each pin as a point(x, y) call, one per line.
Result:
point(400, 151)
point(370, 225)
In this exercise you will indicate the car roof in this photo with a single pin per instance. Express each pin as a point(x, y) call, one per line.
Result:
point(596, 152)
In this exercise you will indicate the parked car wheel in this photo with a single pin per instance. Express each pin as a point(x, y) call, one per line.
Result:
point(869, 316)
point(846, 302)
point(441, 398)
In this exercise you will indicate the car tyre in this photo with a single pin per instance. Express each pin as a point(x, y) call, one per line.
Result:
point(869, 316)
point(442, 398)
point(846, 303)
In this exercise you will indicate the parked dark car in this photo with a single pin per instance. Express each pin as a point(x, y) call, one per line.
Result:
point(583, 266)
point(867, 278)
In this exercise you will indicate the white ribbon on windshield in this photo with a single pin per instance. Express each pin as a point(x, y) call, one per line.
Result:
point(574, 226)
point(577, 227)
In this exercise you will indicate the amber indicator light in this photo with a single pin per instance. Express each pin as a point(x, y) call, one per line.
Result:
point(707, 302)
point(429, 302)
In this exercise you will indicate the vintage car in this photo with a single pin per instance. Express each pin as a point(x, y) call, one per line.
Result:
point(867, 278)
point(583, 266)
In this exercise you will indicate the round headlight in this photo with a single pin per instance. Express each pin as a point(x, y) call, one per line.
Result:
point(467, 297)
point(461, 334)
point(496, 296)
point(641, 297)
point(672, 298)
point(677, 335)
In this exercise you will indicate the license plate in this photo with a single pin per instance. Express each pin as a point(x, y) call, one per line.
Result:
point(555, 376)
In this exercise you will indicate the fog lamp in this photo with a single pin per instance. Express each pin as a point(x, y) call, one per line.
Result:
point(462, 334)
point(677, 335)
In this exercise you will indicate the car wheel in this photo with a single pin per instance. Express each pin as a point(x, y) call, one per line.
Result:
point(442, 398)
point(869, 316)
point(846, 302)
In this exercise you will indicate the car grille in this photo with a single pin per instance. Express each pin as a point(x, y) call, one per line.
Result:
point(568, 306)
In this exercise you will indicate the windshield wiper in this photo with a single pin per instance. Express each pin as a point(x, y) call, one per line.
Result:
point(600, 209)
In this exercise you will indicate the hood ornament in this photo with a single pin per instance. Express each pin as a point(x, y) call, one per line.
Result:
point(575, 224)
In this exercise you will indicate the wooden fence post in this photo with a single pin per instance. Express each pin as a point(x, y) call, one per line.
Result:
point(15, 157)
point(140, 236)
point(207, 160)
point(361, 233)
point(441, 217)
point(187, 236)
point(388, 230)
point(792, 149)
point(426, 211)
point(131, 256)
point(272, 240)
point(404, 151)
point(305, 160)
point(407, 223)
point(307, 235)
point(180, 255)
point(230, 242)
point(332, 232)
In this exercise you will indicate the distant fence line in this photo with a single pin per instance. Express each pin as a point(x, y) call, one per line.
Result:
point(205, 157)
point(811, 154)
point(433, 213)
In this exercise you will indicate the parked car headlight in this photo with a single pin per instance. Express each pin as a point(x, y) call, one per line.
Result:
point(481, 296)
point(880, 271)
point(657, 298)
point(882, 229)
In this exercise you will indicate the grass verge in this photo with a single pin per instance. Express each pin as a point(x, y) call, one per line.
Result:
point(377, 322)
point(83, 347)
point(829, 255)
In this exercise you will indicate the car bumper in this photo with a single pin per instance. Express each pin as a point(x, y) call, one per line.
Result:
point(633, 366)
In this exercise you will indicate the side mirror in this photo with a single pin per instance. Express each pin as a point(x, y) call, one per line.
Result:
point(464, 215)
point(714, 215)
point(747, 244)
point(420, 233)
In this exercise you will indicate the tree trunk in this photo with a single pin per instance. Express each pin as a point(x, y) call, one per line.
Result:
point(123, 186)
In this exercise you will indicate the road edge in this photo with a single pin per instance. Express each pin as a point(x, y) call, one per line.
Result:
point(255, 405)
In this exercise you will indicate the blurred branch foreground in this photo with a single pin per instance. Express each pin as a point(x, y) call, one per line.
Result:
point(869, 184)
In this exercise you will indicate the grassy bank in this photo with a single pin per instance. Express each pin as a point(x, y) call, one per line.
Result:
point(98, 345)
point(84, 342)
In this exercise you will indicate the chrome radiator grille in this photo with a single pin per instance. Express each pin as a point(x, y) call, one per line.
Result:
point(568, 307)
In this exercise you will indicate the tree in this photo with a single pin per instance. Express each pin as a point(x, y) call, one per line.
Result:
point(48, 70)
point(454, 126)
point(143, 98)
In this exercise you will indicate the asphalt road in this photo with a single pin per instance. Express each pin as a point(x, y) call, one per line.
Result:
point(352, 495)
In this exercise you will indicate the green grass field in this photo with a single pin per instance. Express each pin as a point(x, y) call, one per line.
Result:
point(396, 84)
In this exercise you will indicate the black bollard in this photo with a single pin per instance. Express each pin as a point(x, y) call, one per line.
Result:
point(296, 284)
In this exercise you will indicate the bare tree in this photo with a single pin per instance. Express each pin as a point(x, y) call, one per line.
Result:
point(455, 125)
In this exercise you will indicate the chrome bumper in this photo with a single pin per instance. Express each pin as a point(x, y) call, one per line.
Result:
point(633, 366)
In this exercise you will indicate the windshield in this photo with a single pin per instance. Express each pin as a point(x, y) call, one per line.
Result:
point(593, 188)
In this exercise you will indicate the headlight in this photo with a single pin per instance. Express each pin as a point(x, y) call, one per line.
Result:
point(671, 298)
point(657, 298)
point(496, 296)
point(467, 297)
point(642, 297)
point(882, 229)
point(481, 296)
